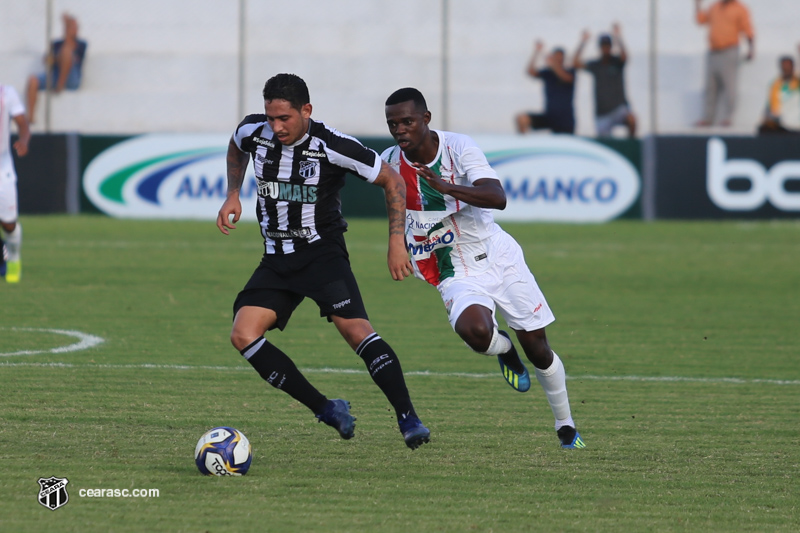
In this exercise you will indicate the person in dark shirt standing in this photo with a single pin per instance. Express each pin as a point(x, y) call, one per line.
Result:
point(611, 107)
point(300, 166)
point(559, 90)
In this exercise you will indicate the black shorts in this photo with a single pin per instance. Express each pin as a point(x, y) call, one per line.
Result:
point(546, 122)
point(320, 271)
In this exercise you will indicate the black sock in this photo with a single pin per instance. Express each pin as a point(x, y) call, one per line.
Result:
point(279, 371)
point(384, 367)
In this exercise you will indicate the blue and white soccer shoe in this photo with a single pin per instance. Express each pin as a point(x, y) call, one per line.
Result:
point(570, 438)
point(519, 382)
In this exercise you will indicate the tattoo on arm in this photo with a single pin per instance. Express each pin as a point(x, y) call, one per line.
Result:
point(394, 189)
point(396, 209)
point(237, 165)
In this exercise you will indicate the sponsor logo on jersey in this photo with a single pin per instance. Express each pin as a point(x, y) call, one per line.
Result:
point(264, 142)
point(299, 233)
point(423, 220)
point(314, 153)
point(430, 244)
point(561, 178)
point(164, 176)
point(288, 192)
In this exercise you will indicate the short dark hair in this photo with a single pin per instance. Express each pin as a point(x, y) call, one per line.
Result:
point(790, 59)
point(289, 87)
point(408, 94)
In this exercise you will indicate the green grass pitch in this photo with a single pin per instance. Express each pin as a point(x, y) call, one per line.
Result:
point(680, 341)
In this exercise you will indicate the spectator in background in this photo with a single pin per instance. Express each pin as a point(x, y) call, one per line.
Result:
point(727, 20)
point(559, 89)
point(782, 114)
point(63, 65)
point(610, 104)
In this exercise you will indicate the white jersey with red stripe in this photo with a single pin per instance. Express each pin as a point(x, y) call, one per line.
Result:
point(445, 236)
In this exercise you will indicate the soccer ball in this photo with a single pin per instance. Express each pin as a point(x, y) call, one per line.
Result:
point(223, 451)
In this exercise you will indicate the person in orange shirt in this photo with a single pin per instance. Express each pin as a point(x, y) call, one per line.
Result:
point(727, 21)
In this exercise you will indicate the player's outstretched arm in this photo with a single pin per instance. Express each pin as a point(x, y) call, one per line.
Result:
point(231, 210)
point(533, 63)
point(485, 192)
point(577, 62)
point(616, 31)
point(394, 189)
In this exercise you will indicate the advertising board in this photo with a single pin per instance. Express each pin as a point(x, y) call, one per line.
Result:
point(727, 177)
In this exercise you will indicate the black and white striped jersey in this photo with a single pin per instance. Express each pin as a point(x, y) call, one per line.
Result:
point(298, 185)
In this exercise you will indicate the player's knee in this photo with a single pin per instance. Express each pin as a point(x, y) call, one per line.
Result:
point(241, 339)
point(478, 336)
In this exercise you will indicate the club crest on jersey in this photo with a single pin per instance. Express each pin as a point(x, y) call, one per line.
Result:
point(308, 169)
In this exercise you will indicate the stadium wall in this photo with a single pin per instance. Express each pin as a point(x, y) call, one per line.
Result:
point(198, 65)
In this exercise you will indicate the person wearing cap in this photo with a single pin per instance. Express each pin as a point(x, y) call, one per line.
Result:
point(782, 113)
point(727, 20)
point(611, 106)
point(559, 91)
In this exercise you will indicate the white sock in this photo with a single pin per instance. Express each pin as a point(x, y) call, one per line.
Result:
point(13, 242)
point(554, 382)
point(499, 344)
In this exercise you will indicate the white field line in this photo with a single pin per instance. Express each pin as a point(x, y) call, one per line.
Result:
point(470, 375)
point(84, 341)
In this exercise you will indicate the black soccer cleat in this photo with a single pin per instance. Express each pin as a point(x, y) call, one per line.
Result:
point(337, 415)
point(414, 433)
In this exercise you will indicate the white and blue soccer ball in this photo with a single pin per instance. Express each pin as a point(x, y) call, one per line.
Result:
point(223, 451)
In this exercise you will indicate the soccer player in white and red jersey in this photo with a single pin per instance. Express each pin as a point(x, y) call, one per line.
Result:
point(11, 108)
point(456, 246)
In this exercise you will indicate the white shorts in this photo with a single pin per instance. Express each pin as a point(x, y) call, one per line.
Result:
point(508, 285)
point(9, 210)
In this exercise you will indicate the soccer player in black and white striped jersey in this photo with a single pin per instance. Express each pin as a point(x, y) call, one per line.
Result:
point(300, 166)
